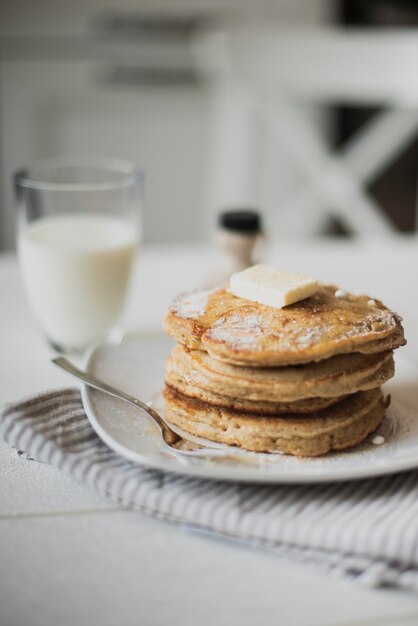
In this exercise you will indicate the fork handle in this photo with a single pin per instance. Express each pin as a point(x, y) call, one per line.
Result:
point(96, 383)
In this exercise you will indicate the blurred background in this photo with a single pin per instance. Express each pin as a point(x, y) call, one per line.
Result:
point(305, 111)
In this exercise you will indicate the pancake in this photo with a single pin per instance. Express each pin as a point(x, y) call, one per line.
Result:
point(256, 407)
point(341, 426)
point(192, 313)
point(246, 333)
point(330, 378)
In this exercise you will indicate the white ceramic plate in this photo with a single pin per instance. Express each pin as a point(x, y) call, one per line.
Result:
point(136, 366)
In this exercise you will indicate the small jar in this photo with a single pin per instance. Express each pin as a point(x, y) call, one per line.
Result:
point(237, 235)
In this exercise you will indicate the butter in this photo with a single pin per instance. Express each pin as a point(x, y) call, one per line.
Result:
point(272, 287)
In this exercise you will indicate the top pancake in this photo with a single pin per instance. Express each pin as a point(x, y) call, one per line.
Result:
point(247, 333)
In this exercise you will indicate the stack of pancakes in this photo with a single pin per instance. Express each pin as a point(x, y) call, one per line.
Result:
point(304, 380)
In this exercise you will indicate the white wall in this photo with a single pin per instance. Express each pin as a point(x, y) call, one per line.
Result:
point(56, 108)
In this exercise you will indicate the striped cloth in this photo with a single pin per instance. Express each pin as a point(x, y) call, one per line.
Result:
point(366, 530)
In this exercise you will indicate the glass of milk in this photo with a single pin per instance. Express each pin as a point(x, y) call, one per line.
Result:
point(79, 226)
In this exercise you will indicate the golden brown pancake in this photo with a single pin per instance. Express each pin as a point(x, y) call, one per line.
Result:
point(330, 378)
point(256, 407)
point(246, 333)
point(341, 426)
point(191, 313)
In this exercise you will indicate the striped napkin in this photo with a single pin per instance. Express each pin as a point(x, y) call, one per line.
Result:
point(366, 530)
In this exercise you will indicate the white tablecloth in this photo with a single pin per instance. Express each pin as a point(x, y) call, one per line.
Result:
point(68, 556)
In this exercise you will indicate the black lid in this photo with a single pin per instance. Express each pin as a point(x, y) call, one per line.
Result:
point(240, 221)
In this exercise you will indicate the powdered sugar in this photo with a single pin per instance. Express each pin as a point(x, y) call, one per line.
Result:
point(376, 321)
point(340, 293)
point(192, 305)
point(242, 332)
point(378, 440)
point(245, 328)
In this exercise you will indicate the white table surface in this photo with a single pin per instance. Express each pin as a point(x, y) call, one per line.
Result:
point(69, 556)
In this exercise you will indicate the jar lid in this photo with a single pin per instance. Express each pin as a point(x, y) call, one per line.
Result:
point(240, 220)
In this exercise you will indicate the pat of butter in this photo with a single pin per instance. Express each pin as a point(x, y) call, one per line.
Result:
point(272, 287)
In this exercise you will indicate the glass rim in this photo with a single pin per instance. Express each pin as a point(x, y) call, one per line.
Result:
point(130, 174)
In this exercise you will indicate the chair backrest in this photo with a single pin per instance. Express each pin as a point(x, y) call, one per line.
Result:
point(282, 66)
point(325, 64)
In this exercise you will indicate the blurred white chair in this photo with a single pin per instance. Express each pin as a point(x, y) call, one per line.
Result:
point(270, 74)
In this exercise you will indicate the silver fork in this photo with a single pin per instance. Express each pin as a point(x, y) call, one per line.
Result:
point(170, 438)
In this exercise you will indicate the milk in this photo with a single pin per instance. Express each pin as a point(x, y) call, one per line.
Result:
point(76, 270)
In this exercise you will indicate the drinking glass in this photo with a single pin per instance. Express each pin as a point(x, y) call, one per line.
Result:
point(79, 226)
